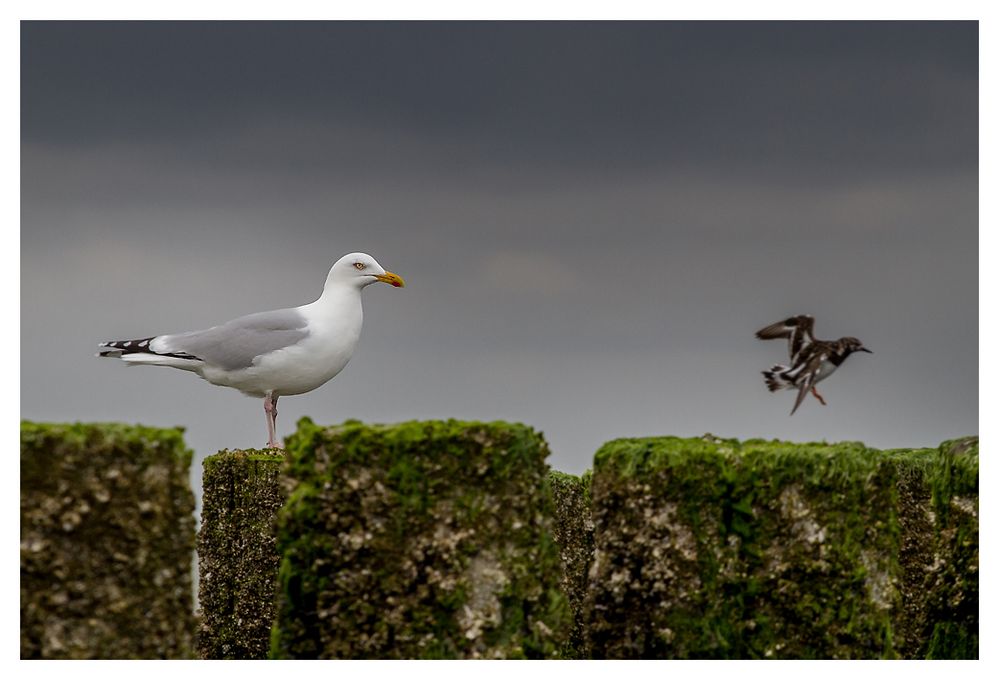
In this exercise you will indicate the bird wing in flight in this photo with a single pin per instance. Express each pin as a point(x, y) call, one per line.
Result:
point(798, 330)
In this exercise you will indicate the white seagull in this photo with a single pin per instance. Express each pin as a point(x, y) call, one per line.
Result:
point(275, 353)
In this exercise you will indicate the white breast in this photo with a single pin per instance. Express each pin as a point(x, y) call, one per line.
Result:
point(334, 330)
point(825, 369)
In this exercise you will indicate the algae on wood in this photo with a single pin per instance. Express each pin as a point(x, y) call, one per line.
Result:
point(418, 540)
point(939, 556)
point(574, 534)
point(237, 558)
point(709, 548)
point(107, 537)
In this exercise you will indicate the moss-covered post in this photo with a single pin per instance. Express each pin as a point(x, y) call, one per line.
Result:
point(938, 493)
point(710, 548)
point(419, 540)
point(954, 608)
point(107, 537)
point(574, 534)
point(237, 558)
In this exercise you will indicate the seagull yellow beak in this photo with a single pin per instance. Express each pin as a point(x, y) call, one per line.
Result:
point(390, 278)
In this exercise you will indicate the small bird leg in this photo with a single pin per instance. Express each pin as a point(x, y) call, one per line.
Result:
point(818, 396)
point(271, 415)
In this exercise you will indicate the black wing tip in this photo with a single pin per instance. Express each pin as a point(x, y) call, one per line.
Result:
point(129, 346)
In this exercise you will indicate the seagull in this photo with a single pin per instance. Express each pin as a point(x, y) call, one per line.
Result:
point(270, 354)
point(810, 360)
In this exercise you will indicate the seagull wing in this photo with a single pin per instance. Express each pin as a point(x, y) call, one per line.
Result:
point(236, 344)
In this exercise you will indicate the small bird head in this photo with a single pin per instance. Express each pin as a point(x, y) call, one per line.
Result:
point(360, 270)
point(852, 344)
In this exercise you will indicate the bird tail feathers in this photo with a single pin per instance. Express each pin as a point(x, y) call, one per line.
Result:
point(776, 379)
point(139, 351)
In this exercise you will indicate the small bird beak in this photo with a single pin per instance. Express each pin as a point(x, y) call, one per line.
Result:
point(390, 278)
point(867, 350)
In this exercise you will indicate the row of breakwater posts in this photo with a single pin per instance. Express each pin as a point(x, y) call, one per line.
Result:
point(448, 539)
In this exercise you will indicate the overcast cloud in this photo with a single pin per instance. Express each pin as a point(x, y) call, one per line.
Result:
point(592, 219)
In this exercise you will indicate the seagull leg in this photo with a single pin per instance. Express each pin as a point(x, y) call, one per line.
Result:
point(271, 414)
point(818, 396)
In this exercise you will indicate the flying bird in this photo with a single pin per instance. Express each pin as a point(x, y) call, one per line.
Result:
point(270, 354)
point(810, 360)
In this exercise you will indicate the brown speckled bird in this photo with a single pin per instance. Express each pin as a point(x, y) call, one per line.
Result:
point(810, 360)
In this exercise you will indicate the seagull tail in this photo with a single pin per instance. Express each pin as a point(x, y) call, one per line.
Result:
point(140, 351)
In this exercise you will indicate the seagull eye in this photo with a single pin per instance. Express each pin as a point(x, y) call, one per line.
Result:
point(359, 265)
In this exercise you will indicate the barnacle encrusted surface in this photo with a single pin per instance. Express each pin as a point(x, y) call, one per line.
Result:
point(237, 557)
point(574, 534)
point(107, 536)
point(713, 548)
point(425, 539)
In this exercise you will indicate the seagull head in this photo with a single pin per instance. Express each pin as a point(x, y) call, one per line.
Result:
point(359, 270)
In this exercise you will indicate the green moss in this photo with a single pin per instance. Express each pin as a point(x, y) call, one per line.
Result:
point(226, 456)
point(953, 584)
point(953, 641)
point(938, 507)
point(558, 479)
point(440, 539)
point(717, 548)
point(107, 535)
point(420, 539)
point(144, 443)
point(238, 561)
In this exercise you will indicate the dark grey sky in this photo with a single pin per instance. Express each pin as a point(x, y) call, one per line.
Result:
point(592, 218)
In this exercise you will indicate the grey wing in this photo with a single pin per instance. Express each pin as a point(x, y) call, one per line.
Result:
point(235, 344)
